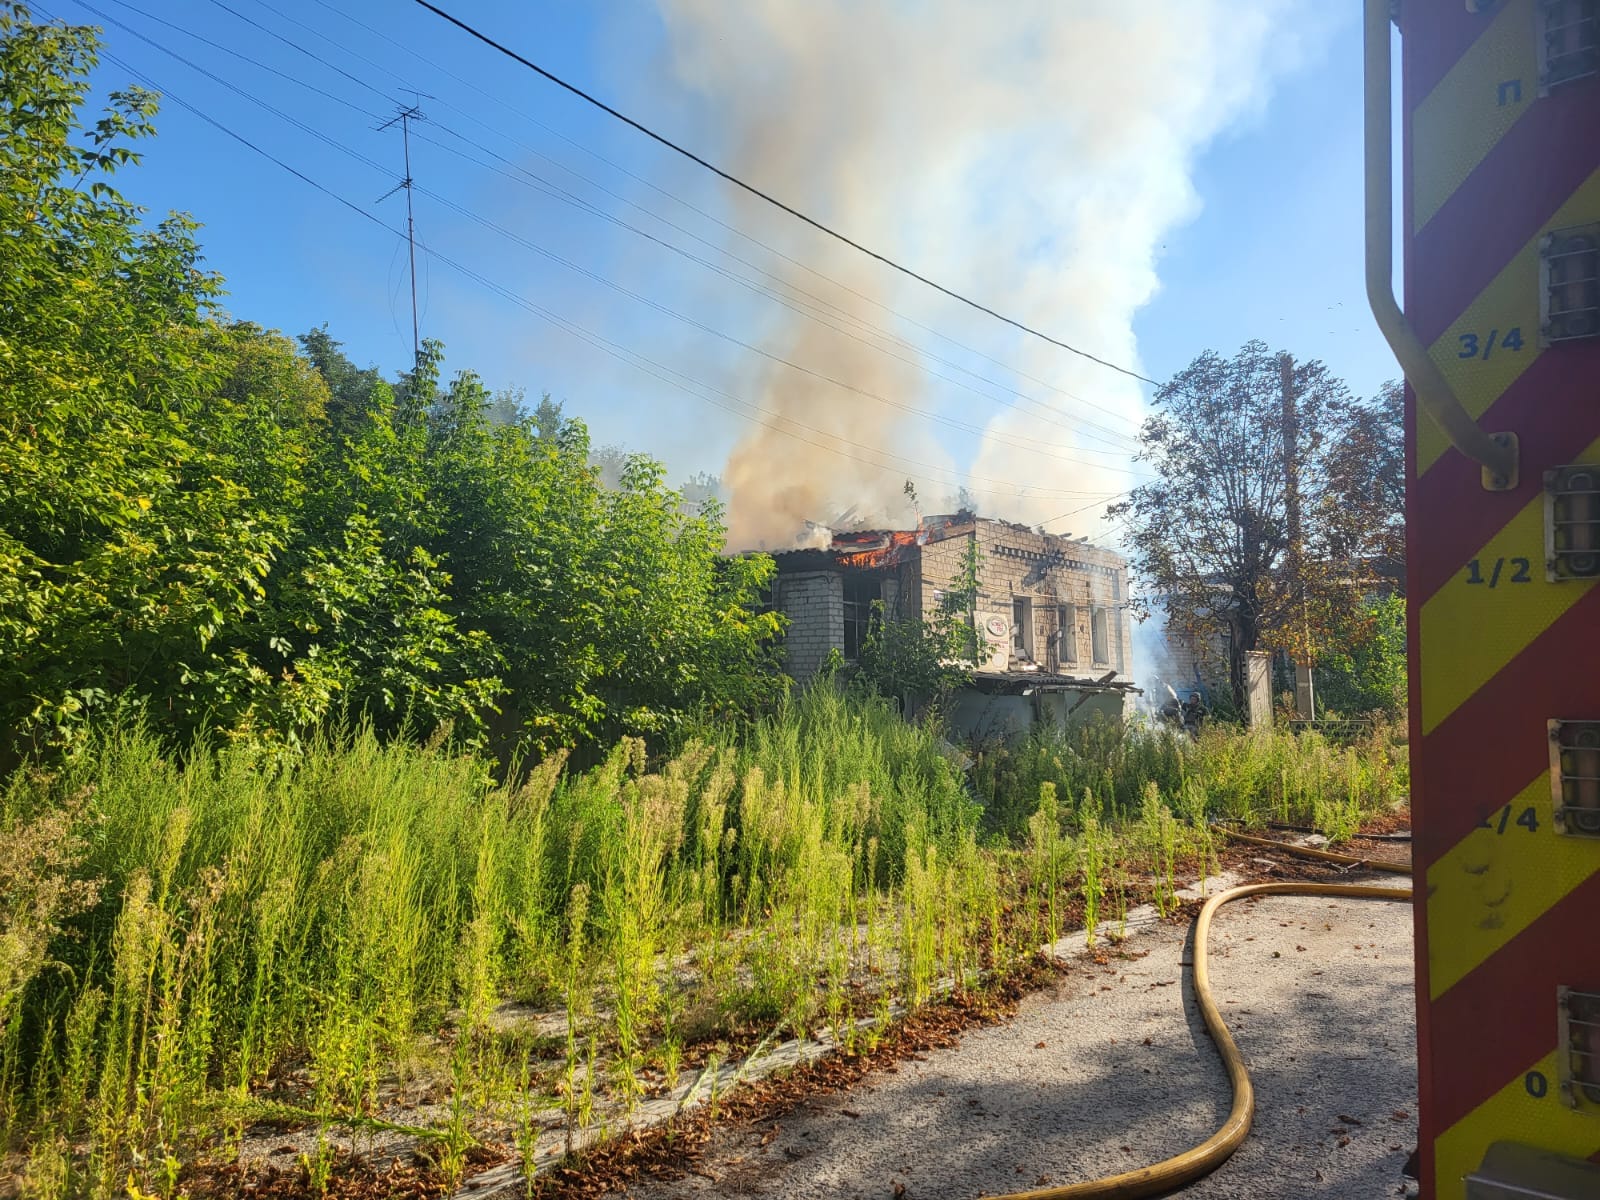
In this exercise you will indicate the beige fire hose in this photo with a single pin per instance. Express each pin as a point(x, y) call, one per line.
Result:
point(1162, 1177)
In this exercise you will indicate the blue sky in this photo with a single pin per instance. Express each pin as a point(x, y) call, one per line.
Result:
point(1270, 246)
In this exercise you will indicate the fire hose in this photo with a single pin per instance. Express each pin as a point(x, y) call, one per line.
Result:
point(1162, 1177)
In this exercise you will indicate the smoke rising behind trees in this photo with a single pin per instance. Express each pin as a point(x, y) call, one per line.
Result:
point(1034, 156)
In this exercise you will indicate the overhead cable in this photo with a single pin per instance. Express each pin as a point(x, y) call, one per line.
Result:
point(666, 310)
point(773, 200)
point(523, 116)
point(1121, 442)
point(731, 403)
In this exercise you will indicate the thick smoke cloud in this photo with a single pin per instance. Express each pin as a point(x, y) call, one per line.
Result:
point(1035, 154)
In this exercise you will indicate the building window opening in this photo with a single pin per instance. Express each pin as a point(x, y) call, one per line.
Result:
point(1022, 627)
point(1067, 635)
point(861, 593)
point(1100, 637)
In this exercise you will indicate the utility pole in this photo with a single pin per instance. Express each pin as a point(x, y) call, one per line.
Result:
point(1305, 697)
point(404, 119)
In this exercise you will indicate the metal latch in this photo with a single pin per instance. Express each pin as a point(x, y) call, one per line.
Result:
point(1578, 1018)
point(1572, 522)
point(1575, 777)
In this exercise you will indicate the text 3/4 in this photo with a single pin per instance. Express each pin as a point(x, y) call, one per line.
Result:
point(1521, 571)
point(1475, 346)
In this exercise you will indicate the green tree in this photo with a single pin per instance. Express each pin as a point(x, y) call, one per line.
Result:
point(120, 541)
point(1366, 673)
point(548, 417)
point(169, 528)
point(1211, 534)
point(350, 389)
point(920, 662)
point(612, 607)
point(238, 534)
point(1362, 517)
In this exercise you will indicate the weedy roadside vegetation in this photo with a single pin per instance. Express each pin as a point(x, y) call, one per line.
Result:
point(193, 944)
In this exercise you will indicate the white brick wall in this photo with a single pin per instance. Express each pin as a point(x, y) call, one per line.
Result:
point(1014, 562)
point(1019, 563)
point(814, 604)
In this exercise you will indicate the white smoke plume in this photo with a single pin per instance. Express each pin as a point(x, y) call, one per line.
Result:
point(1034, 154)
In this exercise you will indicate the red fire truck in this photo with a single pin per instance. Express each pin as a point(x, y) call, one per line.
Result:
point(1499, 337)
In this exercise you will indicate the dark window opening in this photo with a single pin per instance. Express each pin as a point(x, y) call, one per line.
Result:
point(861, 592)
point(1100, 637)
point(1067, 640)
point(1022, 627)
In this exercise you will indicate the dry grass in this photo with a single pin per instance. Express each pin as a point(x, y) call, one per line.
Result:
point(191, 946)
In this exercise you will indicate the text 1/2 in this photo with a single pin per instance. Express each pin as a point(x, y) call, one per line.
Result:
point(1521, 571)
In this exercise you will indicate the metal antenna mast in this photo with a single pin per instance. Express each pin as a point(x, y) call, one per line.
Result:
point(404, 119)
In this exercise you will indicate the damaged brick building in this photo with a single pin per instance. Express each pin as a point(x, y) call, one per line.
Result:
point(1051, 612)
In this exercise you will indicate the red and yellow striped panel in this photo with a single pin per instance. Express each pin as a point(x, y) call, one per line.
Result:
point(1510, 910)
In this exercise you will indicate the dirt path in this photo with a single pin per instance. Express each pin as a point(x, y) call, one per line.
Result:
point(1115, 1070)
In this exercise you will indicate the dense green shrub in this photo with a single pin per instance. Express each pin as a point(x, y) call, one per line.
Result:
point(1227, 773)
point(228, 532)
point(1369, 675)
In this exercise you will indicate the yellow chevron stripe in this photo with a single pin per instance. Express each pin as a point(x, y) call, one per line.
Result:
point(1510, 302)
point(1513, 1114)
point(1496, 882)
point(1470, 109)
point(1468, 631)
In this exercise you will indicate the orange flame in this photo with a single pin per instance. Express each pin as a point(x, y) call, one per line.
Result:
point(880, 548)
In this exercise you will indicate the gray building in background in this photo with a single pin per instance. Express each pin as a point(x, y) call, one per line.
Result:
point(1051, 613)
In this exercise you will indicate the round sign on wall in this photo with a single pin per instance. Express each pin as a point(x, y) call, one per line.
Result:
point(997, 626)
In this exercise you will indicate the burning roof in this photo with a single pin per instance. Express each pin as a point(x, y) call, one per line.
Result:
point(868, 549)
point(874, 548)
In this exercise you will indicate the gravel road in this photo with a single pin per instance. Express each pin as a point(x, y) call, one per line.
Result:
point(1114, 1070)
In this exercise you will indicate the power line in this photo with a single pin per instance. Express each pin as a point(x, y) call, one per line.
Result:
point(229, 50)
point(632, 358)
point(1121, 442)
point(770, 199)
point(408, 185)
point(751, 348)
point(711, 217)
point(1085, 508)
point(236, 89)
point(272, 33)
point(513, 171)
